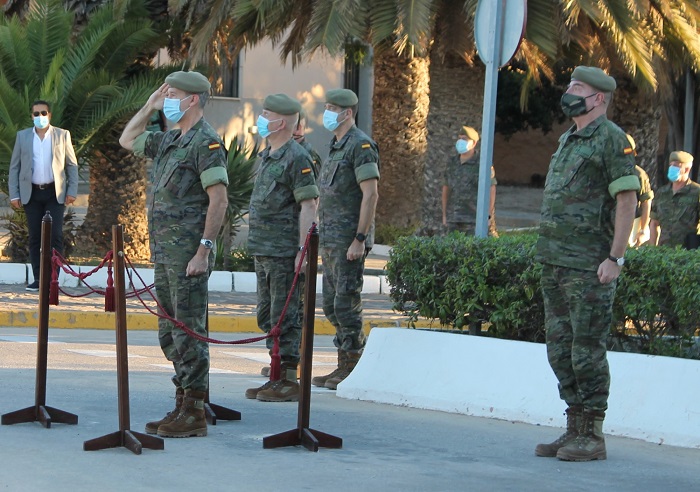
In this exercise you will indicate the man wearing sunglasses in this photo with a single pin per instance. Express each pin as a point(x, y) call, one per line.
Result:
point(43, 178)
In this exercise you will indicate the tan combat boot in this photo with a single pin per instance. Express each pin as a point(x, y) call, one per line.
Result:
point(286, 389)
point(152, 427)
point(265, 371)
point(573, 421)
point(590, 443)
point(190, 422)
point(351, 359)
point(320, 381)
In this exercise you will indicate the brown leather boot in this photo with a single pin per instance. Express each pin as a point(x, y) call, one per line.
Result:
point(190, 422)
point(351, 360)
point(320, 381)
point(152, 427)
point(590, 443)
point(573, 421)
point(286, 389)
point(252, 393)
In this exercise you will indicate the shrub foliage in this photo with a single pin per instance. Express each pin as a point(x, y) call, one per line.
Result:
point(460, 281)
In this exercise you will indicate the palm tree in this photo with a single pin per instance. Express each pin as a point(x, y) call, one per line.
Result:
point(411, 37)
point(91, 81)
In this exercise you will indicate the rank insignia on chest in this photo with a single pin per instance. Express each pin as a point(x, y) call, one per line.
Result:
point(306, 170)
point(366, 146)
point(627, 150)
point(214, 146)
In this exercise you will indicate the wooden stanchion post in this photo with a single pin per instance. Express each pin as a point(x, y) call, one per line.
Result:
point(311, 439)
point(124, 437)
point(40, 412)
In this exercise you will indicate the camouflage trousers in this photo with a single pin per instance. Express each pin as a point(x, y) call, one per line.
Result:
point(185, 299)
point(470, 229)
point(342, 302)
point(274, 281)
point(578, 315)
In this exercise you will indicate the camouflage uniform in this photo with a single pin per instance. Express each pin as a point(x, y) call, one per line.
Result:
point(462, 178)
point(678, 213)
point(576, 229)
point(284, 179)
point(315, 158)
point(182, 170)
point(353, 159)
point(645, 194)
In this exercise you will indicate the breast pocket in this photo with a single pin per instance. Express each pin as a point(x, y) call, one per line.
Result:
point(329, 172)
point(181, 180)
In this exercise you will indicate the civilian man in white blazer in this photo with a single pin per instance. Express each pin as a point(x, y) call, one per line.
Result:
point(43, 177)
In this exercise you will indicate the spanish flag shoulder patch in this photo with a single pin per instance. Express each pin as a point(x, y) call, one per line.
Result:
point(214, 146)
point(627, 150)
point(306, 170)
point(366, 146)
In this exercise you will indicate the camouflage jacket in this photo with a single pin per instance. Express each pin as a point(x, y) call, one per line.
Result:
point(677, 213)
point(183, 168)
point(315, 158)
point(352, 159)
point(284, 178)
point(645, 193)
point(587, 171)
point(462, 178)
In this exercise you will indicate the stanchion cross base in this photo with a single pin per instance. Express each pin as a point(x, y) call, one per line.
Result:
point(311, 439)
point(132, 440)
point(39, 413)
point(212, 412)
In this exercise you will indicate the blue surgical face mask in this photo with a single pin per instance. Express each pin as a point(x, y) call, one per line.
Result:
point(330, 120)
point(41, 121)
point(674, 173)
point(263, 124)
point(171, 108)
point(462, 146)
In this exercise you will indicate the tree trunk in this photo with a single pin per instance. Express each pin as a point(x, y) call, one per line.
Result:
point(456, 99)
point(400, 111)
point(117, 196)
point(639, 114)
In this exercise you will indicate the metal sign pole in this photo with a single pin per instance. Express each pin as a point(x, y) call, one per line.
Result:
point(489, 120)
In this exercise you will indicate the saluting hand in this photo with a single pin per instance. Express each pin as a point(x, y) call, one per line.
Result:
point(157, 98)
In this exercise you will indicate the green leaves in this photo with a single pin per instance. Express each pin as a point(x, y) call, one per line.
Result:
point(460, 280)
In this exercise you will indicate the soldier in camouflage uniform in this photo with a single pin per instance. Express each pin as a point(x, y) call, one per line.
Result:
point(348, 186)
point(461, 184)
point(676, 209)
point(298, 135)
point(640, 226)
point(582, 249)
point(282, 209)
point(185, 212)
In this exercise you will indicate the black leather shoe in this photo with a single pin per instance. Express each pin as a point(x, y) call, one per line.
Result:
point(33, 287)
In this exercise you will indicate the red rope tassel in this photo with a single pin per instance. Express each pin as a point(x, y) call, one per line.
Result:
point(53, 288)
point(109, 293)
point(275, 359)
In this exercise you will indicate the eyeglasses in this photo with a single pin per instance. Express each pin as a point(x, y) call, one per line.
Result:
point(42, 113)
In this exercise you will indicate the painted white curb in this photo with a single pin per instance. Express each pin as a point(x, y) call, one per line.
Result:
point(651, 398)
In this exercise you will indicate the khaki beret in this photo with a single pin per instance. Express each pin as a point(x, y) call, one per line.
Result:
point(594, 77)
point(470, 133)
point(193, 82)
point(344, 98)
point(281, 104)
point(680, 156)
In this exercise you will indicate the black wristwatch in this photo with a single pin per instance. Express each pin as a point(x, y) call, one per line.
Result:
point(360, 237)
point(620, 261)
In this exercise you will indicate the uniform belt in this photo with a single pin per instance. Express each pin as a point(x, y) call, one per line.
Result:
point(43, 186)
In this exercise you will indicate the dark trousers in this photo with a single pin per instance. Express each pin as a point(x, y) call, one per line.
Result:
point(43, 201)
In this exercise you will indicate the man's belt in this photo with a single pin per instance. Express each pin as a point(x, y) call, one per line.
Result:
point(43, 186)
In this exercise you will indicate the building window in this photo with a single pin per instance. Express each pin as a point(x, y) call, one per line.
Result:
point(228, 83)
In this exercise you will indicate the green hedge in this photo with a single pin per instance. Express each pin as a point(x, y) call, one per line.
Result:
point(461, 280)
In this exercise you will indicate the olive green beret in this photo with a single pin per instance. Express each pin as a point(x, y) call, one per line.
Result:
point(594, 77)
point(193, 82)
point(680, 156)
point(344, 98)
point(470, 133)
point(281, 104)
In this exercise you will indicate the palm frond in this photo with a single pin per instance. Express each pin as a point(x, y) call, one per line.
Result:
point(332, 23)
point(414, 26)
point(48, 30)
